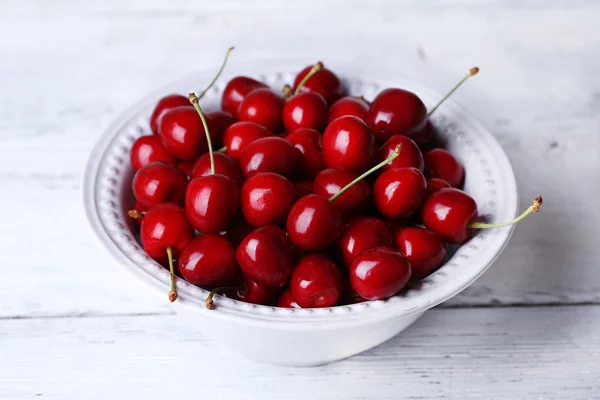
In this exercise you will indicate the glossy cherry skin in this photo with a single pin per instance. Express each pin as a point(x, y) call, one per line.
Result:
point(302, 188)
point(224, 165)
point(354, 106)
point(182, 133)
point(220, 121)
point(286, 300)
point(270, 154)
point(313, 223)
point(266, 199)
point(147, 149)
point(396, 112)
point(440, 163)
point(209, 262)
point(435, 184)
point(256, 294)
point(158, 182)
point(211, 202)
point(424, 249)
point(329, 181)
point(410, 155)
point(363, 233)
point(265, 256)
point(236, 90)
point(237, 230)
point(399, 192)
point(348, 144)
point(324, 82)
point(379, 273)
point(309, 155)
point(449, 212)
point(165, 104)
point(262, 106)
point(316, 282)
point(305, 110)
point(165, 225)
point(241, 134)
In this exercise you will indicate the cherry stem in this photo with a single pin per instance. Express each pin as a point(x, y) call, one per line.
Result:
point(472, 71)
point(361, 177)
point(287, 92)
point(222, 149)
point(135, 214)
point(211, 84)
point(209, 302)
point(196, 104)
point(535, 207)
point(173, 291)
point(316, 68)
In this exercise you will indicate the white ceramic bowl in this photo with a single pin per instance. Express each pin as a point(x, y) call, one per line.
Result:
point(302, 336)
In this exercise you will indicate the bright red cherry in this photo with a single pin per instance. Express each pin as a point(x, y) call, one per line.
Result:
point(330, 181)
point(323, 81)
point(209, 261)
point(435, 184)
point(262, 106)
point(316, 282)
point(241, 134)
point(286, 300)
point(265, 256)
point(224, 165)
point(424, 249)
point(309, 156)
point(302, 188)
point(396, 112)
point(440, 163)
point(379, 273)
point(236, 90)
point(399, 192)
point(355, 106)
point(410, 156)
point(256, 294)
point(363, 233)
point(270, 154)
point(165, 104)
point(158, 182)
point(147, 149)
point(313, 223)
point(182, 133)
point(221, 120)
point(266, 199)
point(348, 144)
point(305, 110)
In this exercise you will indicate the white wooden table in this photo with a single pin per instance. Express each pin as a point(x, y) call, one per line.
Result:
point(72, 327)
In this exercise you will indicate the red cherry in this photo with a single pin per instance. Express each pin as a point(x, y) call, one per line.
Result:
point(286, 300)
point(165, 104)
point(224, 165)
point(209, 261)
point(396, 112)
point(302, 188)
point(270, 154)
point(237, 231)
point(410, 156)
point(348, 144)
point(158, 182)
point(147, 149)
point(435, 184)
point(330, 181)
point(221, 120)
point(265, 256)
point(426, 137)
point(241, 134)
point(211, 202)
point(363, 233)
point(424, 249)
point(305, 110)
point(316, 282)
point(355, 106)
point(256, 294)
point(324, 82)
point(399, 192)
point(309, 156)
point(379, 273)
point(262, 106)
point(266, 198)
point(440, 163)
point(182, 133)
point(236, 90)
point(313, 223)
point(449, 212)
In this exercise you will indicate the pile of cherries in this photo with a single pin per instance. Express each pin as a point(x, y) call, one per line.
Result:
point(314, 198)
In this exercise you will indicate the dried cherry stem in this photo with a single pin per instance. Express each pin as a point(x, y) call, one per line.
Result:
point(173, 291)
point(211, 84)
point(316, 68)
point(472, 71)
point(196, 104)
point(287, 92)
point(209, 302)
point(535, 207)
point(135, 214)
point(361, 177)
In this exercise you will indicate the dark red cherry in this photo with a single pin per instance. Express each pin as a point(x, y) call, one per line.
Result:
point(262, 106)
point(396, 112)
point(355, 106)
point(211, 202)
point(182, 133)
point(266, 199)
point(147, 149)
point(237, 230)
point(426, 137)
point(241, 134)
point(270, 154)
point(165, 104)
point(348, 144)
point(286, 300)
point(224, 165)
point(256, 294)
point(209, 262)
point(313, 223)
point(324, 82)
point(305, 110)
point(379, 273)
point(186, 167)
point(410, 156)
point(449, 212)
point(316, 282)
point(236, 90)
point(399, 192)
point(309, 156)
point(363, 233)
point(424, 249)
point(440, 163)
point(329, 181)
point(265, 256)
point(435, 184)
point(302, 188)
point(221, 120)
point(165, 226)
point(158, 182)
